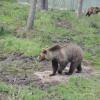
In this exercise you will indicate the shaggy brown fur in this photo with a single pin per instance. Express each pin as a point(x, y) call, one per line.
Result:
point(61, 56)
point(92, 10)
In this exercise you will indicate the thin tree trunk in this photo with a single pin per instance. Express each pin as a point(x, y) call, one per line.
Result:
point(80, 5)
point(31, 16)
point(44, 4)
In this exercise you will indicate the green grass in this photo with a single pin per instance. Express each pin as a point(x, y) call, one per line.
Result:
point(21, 93)
point(77, 88)
point(11, 44)
point(84, 31)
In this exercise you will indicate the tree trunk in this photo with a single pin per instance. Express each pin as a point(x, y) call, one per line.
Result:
point(31, 16)
point(80, 4)
point(44, 4)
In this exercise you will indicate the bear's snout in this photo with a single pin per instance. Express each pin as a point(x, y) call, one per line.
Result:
point(41, 57)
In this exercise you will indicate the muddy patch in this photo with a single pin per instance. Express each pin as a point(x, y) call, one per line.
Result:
point(45, 78)
point(16, 68)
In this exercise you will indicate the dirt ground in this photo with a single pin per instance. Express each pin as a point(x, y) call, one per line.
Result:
point(16, 68)
point(4, 97)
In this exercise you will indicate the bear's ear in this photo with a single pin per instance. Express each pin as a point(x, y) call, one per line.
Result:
point(44, 51)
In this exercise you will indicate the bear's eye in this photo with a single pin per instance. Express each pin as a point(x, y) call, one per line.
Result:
point(45, 51)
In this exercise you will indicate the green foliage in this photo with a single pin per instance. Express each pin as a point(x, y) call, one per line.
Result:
point(13, 15)
point(84, 31)
point(11, 43)
point(21, 93)
point(76, 89)
point(9, 0)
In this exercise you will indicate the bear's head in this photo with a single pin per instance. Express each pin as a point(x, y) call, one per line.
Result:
point(42, 55)
point(49, 53)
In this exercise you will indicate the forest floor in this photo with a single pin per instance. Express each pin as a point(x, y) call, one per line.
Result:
point(22, 77)
point(19, 69)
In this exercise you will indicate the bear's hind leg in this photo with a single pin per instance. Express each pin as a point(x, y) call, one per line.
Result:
point(61, 67)
point(79, 69)
point(71, 69)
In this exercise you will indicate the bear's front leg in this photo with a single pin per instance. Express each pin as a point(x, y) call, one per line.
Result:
point(54, 67)
point(79, 68)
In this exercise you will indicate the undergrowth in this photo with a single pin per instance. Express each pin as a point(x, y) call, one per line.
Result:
point(84, 31)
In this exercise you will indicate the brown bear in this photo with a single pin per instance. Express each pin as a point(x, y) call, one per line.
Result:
point(92, 10)
point(61, 56)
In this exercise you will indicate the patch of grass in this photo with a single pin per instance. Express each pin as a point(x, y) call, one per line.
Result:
point(13, 14)
point(21, 93)
point(12, 44)
point(77, 88)
point(84, 31)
